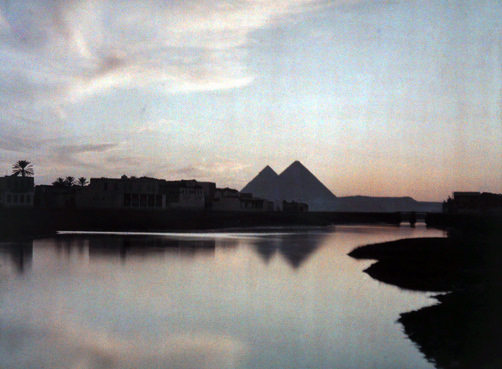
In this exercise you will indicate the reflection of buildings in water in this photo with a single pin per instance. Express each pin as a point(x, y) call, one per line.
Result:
point(227, 243)
point(146, 246)
point(295, 248)
point(18, 254)
point(67, 245)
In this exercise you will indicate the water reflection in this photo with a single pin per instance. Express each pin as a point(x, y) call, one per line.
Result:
point(295, 248)
point(285, 299)
point(19, 254)
point(127, 246)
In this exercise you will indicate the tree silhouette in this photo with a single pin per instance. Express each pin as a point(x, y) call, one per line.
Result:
point(82, 181)
point(60, 182)
point(23, 168)
point(70, 181)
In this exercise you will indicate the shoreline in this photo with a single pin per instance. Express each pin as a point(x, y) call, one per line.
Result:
point(464, 329)
point(39, 221)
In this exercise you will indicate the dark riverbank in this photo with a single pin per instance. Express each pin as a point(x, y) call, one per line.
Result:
point(36, 221)
point(464, 330)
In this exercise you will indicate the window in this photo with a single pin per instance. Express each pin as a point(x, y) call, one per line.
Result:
point(135, 200)
point(127, 199)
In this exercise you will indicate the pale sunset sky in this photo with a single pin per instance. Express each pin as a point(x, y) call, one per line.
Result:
point(376, 98)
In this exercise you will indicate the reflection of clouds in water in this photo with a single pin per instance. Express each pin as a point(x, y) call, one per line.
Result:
point(65, 344)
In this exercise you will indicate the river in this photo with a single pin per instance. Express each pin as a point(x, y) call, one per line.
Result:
point(264, 298)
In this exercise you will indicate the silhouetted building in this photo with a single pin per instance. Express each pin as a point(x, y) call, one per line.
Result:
point(209, 189)
point(122, 193)
point(228, 199)
point(53, 197)
point(144, 193)
point(473, 203)
point(183, 194)
point(16, 191)
point(294, 207)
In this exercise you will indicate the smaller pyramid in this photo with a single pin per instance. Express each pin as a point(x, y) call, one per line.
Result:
point(264, 184)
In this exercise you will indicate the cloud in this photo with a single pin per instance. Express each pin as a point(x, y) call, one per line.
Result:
point(17, 143)
point(71, 50)
point(66, 154)
point(62, 341)
point(77, 149)
point(225, 169)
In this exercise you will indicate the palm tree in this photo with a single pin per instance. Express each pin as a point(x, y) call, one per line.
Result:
point(23, 168)
point(82, 181)
point(60, 182)
point(70, 181)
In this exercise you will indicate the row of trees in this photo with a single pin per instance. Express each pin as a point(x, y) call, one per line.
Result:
point(70, 182)
point(24, 168)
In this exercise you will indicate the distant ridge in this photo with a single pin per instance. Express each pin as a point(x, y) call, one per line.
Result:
point(385, 204)
point(295, 183)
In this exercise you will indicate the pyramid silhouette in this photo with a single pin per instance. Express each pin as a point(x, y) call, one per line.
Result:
point(264, 185)
point(295, 183)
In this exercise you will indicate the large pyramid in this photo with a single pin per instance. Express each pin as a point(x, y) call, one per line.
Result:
point(296, 183)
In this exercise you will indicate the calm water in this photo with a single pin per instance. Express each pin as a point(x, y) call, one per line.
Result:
point(279, 298)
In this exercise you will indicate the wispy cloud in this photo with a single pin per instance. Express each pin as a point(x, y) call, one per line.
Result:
point(55, 54)
point(69, 154)
point(16, 143)
point(223, 168)
point(71, 50)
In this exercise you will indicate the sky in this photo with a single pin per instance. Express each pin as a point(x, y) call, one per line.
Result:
point(375, 98)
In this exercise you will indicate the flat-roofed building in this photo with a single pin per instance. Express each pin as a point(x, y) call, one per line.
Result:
point(54, 197)
point(228, 199)
point(144, 193)
point(16, 191)
point(122, 193)
point(184, 194)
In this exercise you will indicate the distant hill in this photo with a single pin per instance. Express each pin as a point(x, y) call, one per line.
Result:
point(384, 204)
point(297, 183)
